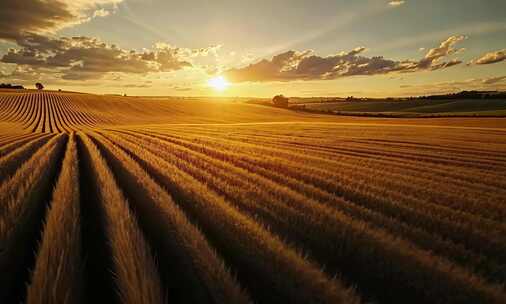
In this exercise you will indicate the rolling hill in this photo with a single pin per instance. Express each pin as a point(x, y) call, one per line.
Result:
point(64, 112)
point(414, 108)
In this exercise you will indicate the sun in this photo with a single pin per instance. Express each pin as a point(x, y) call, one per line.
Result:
point(219, 83)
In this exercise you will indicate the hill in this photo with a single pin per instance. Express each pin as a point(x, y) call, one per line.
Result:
point(47, 111)
point(57, 112)
point(415, 108)
point(412, 107)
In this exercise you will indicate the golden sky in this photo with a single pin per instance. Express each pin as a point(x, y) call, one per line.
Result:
point(255, 48)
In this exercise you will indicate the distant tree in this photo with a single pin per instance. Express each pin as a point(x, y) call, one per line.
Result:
point(280, 101)
point(10, 86)
point(39, 86)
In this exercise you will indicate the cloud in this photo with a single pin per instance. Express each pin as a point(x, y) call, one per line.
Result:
point(494, 80)
point(82, 58)
point(293, 65)
point(181, 89)
point(137, 85)
point(396, 3)
point(488, 83)
point(489, 58)
point(31, 24)
point(18, 17)
point(432, 59)
point(101, 13)
point(22, 73)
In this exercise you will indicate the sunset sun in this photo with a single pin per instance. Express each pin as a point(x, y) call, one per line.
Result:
point(218, 83)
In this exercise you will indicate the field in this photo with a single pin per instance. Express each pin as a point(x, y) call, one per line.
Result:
point(112, 199)
point(415, 108)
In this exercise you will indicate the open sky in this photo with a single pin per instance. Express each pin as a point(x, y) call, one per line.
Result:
point(255, 48)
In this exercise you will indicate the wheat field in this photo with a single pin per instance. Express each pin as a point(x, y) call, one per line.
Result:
point(113, 199)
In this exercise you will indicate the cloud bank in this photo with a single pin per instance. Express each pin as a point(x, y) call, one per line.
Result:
point(293, 65)
point(81, 58)
point(31, 24)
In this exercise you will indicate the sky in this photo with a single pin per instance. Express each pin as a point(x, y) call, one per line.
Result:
point(261, 48)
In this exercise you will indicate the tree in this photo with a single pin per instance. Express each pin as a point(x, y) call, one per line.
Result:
point(39, 86)
point(280, 101)
point(10, 86)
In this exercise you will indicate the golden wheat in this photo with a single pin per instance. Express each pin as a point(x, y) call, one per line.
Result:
point(57, 276)
point(135, 270)
point(167, 200)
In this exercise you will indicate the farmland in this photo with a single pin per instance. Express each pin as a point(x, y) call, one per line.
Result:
point(151, 200)
point(414, 108)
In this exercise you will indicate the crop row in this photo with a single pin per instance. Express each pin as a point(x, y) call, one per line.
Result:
point(220, 215)
point(47, 112)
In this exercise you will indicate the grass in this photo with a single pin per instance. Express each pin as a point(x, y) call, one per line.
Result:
point(417, 108)
point(165, 200)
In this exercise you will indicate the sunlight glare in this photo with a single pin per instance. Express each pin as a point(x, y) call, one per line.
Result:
point(219, 83)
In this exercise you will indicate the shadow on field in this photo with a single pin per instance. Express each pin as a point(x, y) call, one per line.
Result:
point(99, 283)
